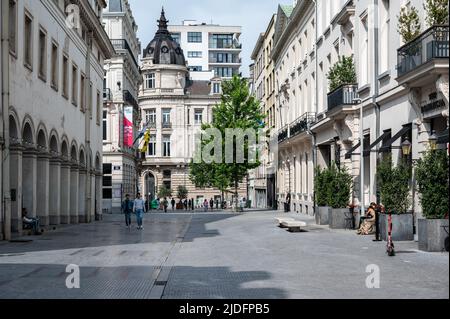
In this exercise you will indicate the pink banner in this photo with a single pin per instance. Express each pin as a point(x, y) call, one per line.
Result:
point(128, 127)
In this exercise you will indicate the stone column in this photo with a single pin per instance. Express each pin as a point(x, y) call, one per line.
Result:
point(15, 182)
point(98, 193)
point(74, 180)
point(92, 196)
point(55, 191)
point(82, 196)
point(29, 175)
point(43, 188)
point(65, 193)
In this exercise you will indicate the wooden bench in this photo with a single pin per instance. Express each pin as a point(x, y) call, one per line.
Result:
point(280, 220)
point(293, 226)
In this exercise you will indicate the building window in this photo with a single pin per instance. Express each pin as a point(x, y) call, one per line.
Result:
point(65, 90)
point(167, 174)
point(150, 116)
point(13, 26)
point(194, 54)
point(198, 117)
point(99, 107)
point(107, 193)
point(55, 67)
point(150, 81)
point(74, 85)
point(167, 184)
point(28, 41)
point(166, 146)
point(83, 93)
point(364, 52)
point(223, 72)
point(194, 37)
point(176, 37)
point(384, 35)
point(152, 146)
point(221, 41)
point(216, 88)
point(90, 96)
point(107, 180)
point(196, 68)
point(42, 72)
point(166, 116)
point(105, 125)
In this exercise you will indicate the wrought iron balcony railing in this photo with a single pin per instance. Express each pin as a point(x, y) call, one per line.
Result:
point(283, 134)
point(343, 95)
point(167, 125)
point(302, 124)
point(431, 44)
point(122, 44)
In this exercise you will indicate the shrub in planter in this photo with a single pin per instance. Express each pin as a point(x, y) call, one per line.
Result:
point(341, 73)
point(321, 184)
point(339, 191)
point(393, 185)
point(408, 23)
point(432, 173)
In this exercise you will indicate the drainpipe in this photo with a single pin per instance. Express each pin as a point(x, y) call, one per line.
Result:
point(376, 83)
point(5, 191)
point(316, 102)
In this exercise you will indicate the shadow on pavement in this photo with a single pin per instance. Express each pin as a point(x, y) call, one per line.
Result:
point(44, 281)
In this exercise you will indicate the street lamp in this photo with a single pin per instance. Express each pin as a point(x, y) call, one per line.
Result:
point(406, 147)
point(433, 141)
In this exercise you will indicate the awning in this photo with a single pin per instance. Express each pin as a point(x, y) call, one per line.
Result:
point(403, 131)
point(349, 154)
point(442, 138)
point(377, 141)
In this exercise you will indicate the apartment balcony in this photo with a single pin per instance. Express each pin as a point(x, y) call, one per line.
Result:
point(301, 125)
point(424, 58)
point(167, 125)
point(107, 95)
point(225, 45)
point(122, 45)
point(129, 98)
point(343, 97)
point(234, 61)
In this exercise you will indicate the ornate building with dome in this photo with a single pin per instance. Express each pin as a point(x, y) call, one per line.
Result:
point(175, 108)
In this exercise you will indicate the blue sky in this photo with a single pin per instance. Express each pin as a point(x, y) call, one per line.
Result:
point(252, 15)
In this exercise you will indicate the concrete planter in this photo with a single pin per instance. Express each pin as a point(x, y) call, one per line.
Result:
point(432, 235)
point(336, 218)
point(322, 214)
point(402, 227)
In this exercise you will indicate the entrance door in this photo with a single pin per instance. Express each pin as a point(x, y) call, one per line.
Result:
point(150, 186)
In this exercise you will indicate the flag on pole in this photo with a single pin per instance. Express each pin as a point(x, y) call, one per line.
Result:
point(144, 143)
point(142, 133)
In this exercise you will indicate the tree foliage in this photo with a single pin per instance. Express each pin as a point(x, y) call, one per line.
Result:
point(393, 185)
point(238, 109)
point(333, 186)
point(409, 23)
point(182, 192)
point(432, 181)
point(164, 192)
point(342, 72)
point(437, 12)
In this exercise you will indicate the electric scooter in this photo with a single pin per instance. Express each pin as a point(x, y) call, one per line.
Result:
point(390, 244)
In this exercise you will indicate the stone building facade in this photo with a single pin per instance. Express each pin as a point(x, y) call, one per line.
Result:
point(121, 116)
point(52, 111)
point(175, 107)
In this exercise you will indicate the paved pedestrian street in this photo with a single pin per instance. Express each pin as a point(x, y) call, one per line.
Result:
point(216, 255)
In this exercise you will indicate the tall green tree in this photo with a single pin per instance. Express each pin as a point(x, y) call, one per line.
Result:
point(238, 109)
point(437, 12)
point(409, 23)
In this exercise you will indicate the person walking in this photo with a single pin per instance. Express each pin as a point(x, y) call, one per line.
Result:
point(165, 204)
point(211, 204)
point(148, 207)
point(173, 202)
point(205, 205)
point(127, 209)
point(139, 210)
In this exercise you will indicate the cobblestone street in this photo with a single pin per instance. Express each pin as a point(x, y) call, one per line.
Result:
point(215, 255)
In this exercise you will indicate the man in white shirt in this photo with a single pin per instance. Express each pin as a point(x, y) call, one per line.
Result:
point(139, 210)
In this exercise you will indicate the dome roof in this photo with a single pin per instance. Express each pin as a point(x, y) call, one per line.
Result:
point(163, 48)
